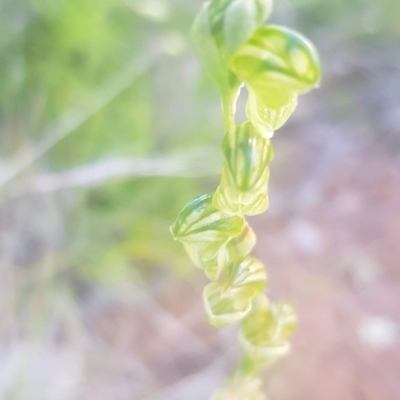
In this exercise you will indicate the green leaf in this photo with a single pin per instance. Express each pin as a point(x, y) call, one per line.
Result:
point(265, 331)
point(228, 302)
point(205, 233)
point(277, 57)
point(244, 181)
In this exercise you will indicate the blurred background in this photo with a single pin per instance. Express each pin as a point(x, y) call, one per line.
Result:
point(108, 127)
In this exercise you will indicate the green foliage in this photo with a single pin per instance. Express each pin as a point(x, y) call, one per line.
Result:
point(276, 65)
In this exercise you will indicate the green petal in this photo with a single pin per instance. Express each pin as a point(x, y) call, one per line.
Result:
point(278, 57)
point(228, 302)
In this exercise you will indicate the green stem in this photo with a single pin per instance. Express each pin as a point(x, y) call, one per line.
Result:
point(248, 366)
point(229, 96)
point(228, 113)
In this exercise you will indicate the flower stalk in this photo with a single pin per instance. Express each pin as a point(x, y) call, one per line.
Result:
point(275, 65)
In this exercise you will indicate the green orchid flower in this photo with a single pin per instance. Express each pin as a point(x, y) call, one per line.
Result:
point(265, 331)
point(219, 29)
point(205, 233)
point(245, 174)
point(277, 64)
point(229, 301)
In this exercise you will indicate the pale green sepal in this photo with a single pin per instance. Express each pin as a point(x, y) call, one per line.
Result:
point(278, 57)
point(268, 108)
point(229, 301)
point(205, 232)
point(265, 331)
point(245, 174)
point(247, 387)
